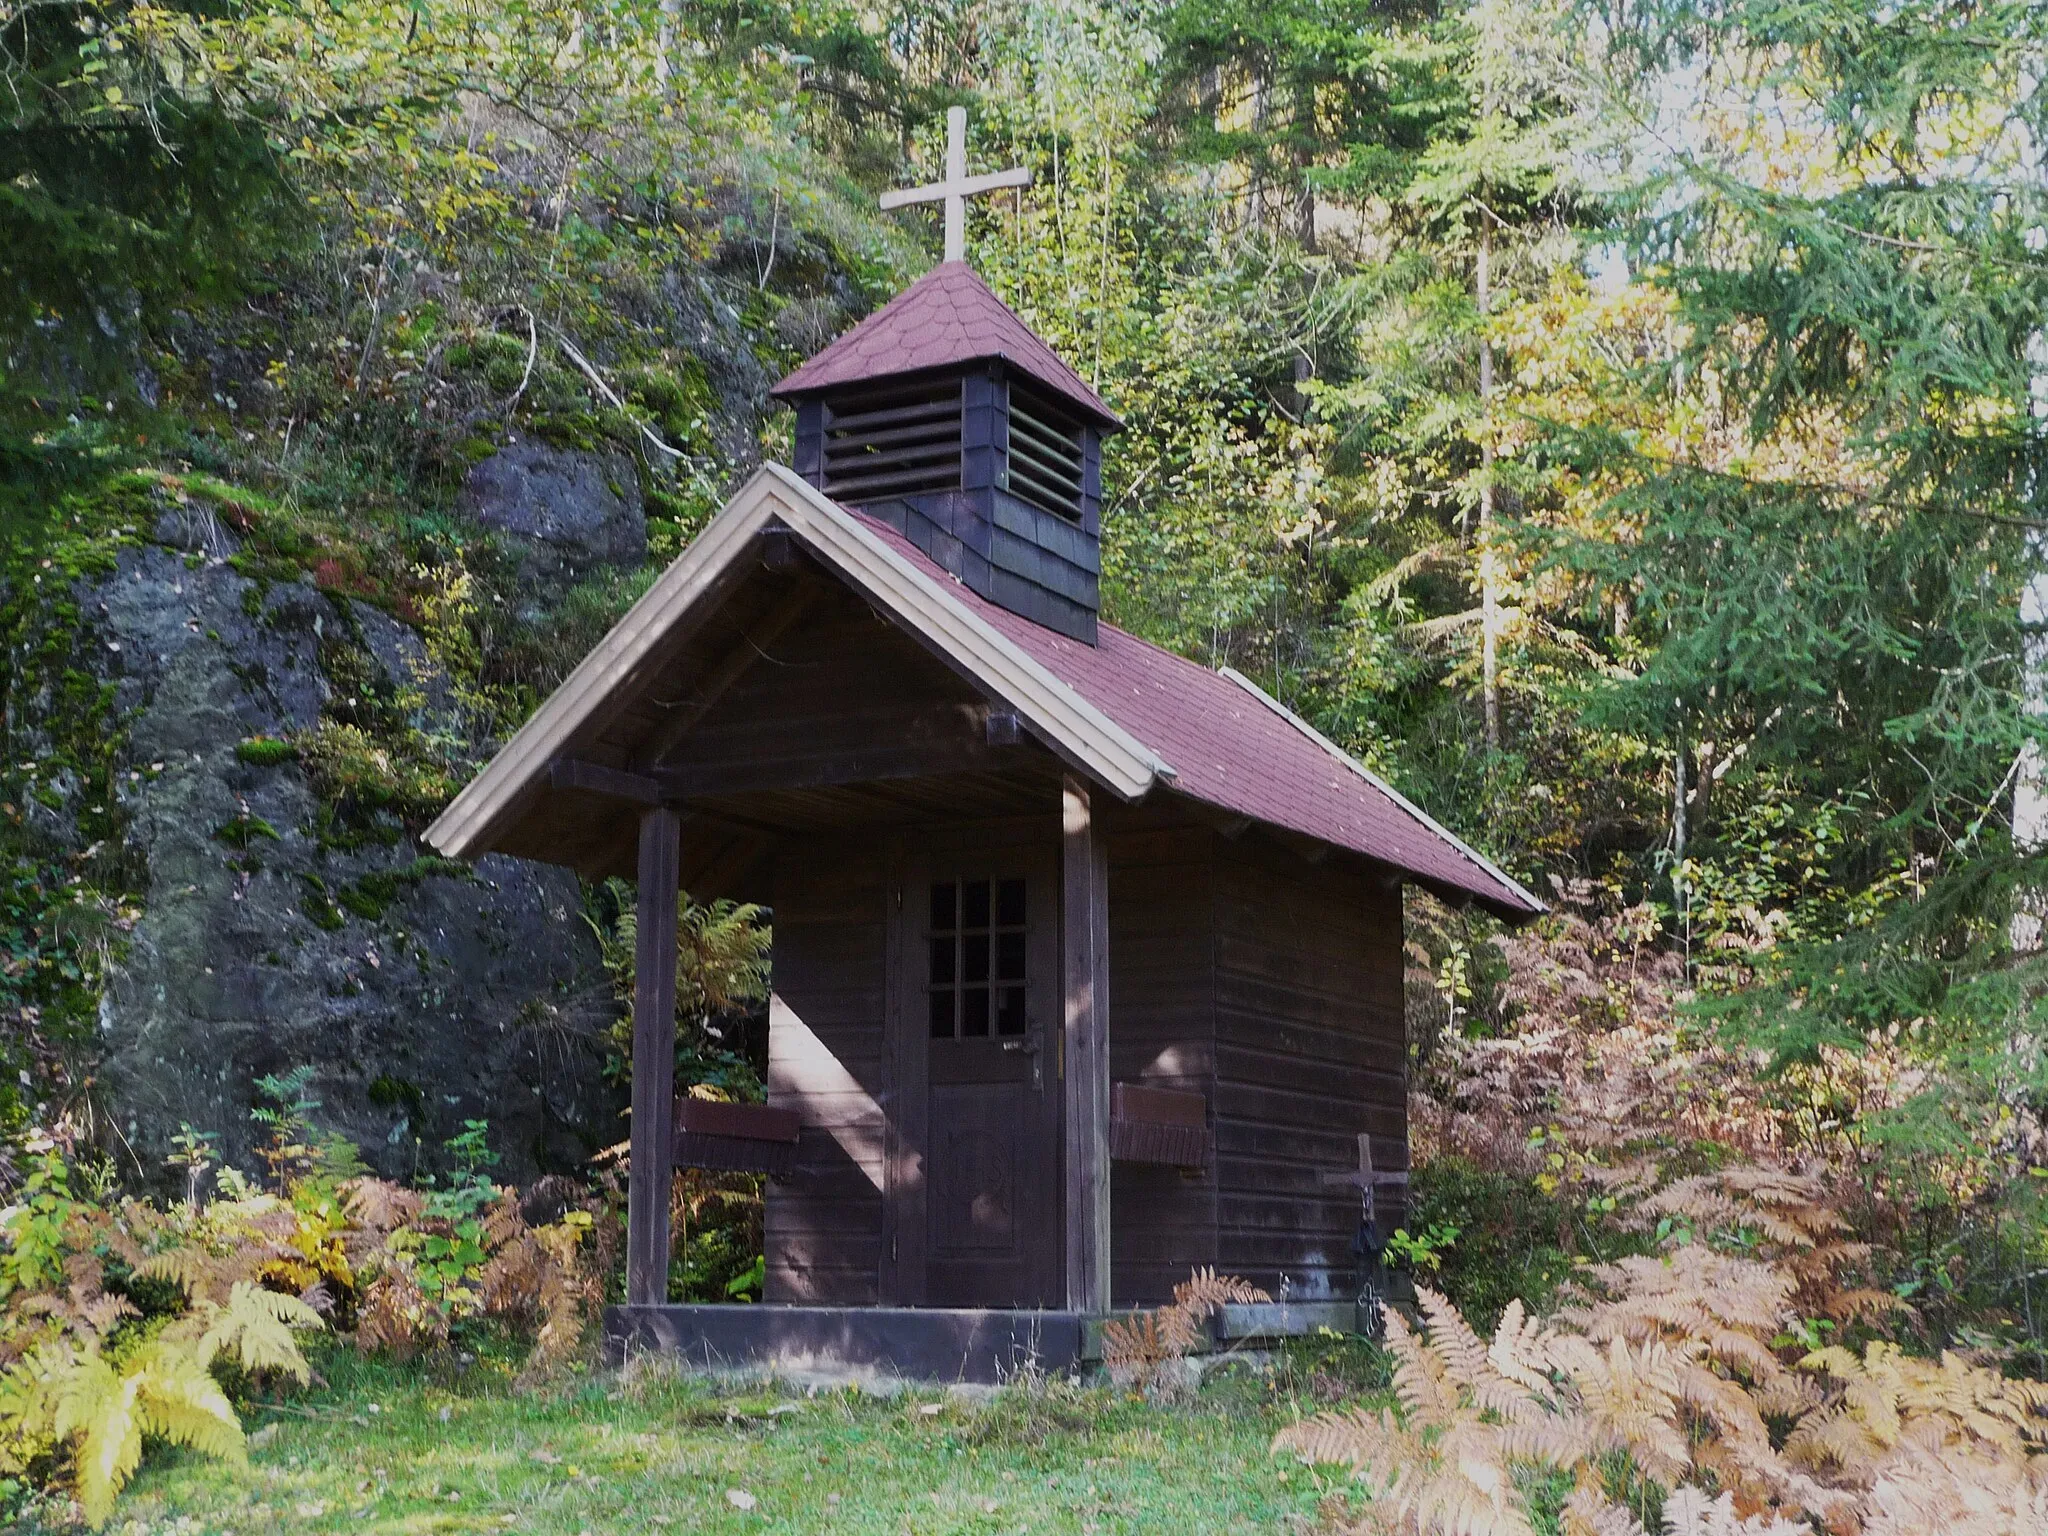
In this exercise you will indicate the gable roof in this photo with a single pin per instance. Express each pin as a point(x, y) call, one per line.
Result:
point(1232, 745)
point(945, 318)
point(1134, 718)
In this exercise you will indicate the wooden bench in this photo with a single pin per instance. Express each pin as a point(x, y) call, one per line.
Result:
point(736, 1138)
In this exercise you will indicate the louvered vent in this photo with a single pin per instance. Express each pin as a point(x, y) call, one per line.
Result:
point(1045, 456)
point(900, 443)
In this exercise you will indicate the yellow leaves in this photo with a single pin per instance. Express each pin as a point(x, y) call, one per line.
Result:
point(1885, 1398)
point(163, 1390)
point(97, 1407)
point(179, 1401)
point(255, 1329)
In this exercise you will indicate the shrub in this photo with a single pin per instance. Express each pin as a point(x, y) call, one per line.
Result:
point(113, 1316)
point(351, 769)
point(1510, 1238)
point(1679, 1387)
point(122, 1319)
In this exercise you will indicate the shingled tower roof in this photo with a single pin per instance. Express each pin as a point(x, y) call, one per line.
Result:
point(945, 318)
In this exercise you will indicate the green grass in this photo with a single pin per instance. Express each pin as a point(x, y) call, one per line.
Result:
point(381, 1448)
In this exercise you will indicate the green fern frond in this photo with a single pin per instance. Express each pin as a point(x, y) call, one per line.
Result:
point(99, 1407)
point(181, 1402)
point(255, 1329)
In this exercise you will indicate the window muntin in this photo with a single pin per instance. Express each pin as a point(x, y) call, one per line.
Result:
point(975, 968)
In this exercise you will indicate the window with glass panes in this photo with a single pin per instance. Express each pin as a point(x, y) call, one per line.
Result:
point(977, 959)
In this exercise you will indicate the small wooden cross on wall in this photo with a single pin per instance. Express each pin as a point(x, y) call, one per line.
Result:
point(957, 187)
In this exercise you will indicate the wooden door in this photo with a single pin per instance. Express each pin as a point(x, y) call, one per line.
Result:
point(987, 937)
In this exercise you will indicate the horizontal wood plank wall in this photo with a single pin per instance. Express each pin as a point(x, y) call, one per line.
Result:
point(1311, 1050)
point(1161, 1032)
point(825, 1060)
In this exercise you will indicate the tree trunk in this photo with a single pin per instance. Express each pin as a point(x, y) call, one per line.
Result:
point(1489, 564)
point(1304, 163)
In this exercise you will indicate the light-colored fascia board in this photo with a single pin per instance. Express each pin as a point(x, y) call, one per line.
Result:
point(1536, 903)
point(1053, 710)
point(459, 831)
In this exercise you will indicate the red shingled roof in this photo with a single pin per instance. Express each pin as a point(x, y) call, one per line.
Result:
point(1233, 748)
point(945, 318)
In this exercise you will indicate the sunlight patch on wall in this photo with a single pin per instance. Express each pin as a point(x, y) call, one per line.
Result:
point(803, 1073)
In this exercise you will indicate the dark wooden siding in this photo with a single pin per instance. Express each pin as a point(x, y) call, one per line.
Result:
point(1310, 1051)
point(824, 1225)
point(1014, 551)
point(1016, 555)
point(1161, 1032)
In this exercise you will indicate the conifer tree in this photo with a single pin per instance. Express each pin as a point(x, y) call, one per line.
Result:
point(1846, 207)
point(124, 196)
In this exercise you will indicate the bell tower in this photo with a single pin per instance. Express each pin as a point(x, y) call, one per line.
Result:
point(944, 416)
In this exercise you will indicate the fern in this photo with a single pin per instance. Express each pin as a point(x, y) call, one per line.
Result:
point(96, 1406)
point(1140, 1347)
point(1690, 1512)
point(163, 1390)
point(180, 1401)
point(1655, 1372)
point(256, 1328)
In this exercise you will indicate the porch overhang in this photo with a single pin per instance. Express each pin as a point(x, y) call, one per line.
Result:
point(573, 723)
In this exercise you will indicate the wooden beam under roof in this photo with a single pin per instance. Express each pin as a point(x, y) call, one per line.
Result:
point(755, 638)
point(860, 765)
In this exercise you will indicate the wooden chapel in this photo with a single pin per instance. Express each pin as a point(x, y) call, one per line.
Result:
point(1088, 960)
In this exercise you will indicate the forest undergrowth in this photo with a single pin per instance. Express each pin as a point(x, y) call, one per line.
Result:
point(1751, 1324)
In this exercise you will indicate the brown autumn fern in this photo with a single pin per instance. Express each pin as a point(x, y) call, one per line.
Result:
point(1669, 1369)
point(1140, 1348)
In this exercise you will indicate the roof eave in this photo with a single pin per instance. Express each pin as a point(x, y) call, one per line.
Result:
point(793, 390)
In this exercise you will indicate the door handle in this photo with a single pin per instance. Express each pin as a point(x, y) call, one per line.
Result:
point(1029, 1047)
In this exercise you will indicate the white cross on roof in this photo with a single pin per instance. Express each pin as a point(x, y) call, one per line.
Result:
point(957, 187)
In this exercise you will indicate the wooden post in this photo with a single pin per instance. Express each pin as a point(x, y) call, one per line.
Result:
point(654, 1059)
point(1084, 1057)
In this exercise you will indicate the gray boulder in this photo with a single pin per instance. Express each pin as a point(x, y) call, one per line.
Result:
point(420, 994)
point(565, 510)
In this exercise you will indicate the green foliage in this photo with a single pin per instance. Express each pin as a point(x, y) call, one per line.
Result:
point(722, 950)
point(1423, 1252)
point(1508, 1238)
point(70, 882)
point(129, 192)
point(449, 1247)
point(1740, 539)
point(265, 751)
point(91, 1365)
point(35, 1226)
point(124, 1322)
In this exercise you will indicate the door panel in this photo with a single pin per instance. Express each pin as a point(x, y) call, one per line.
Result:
point(974, 1171)
point(984, 938)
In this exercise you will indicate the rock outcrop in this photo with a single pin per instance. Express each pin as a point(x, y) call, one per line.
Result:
point(420, 994)
point(564, 510)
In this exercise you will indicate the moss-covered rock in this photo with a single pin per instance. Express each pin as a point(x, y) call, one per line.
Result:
point(265, 939)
